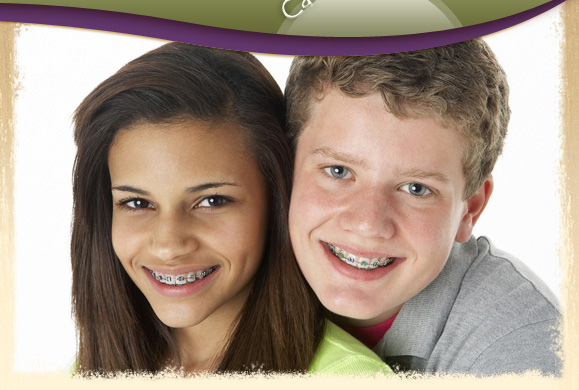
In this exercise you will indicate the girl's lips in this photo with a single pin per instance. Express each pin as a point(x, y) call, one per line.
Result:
point(180, 290)
point(358, 274)
point(180, 270)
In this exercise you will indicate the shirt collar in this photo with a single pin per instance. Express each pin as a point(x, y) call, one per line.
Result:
point(421, 320)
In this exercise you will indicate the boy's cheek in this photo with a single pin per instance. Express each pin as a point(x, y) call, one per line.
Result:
point(309, 198)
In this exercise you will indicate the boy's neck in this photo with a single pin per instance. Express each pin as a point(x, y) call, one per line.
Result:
point(363, 323)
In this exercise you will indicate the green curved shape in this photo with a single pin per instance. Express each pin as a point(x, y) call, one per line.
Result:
point(475, 12)
point(366, 18)
point(441, 5)
point(245, 15)
point(354, 18)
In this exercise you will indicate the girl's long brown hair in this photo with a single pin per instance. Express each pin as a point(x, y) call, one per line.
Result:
point(281, 323)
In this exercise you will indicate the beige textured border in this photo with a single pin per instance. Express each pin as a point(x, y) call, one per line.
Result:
point(7, 94)
point(570, 240)
point(570, 193)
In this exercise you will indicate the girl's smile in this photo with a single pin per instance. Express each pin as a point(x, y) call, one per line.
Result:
point(189, 219)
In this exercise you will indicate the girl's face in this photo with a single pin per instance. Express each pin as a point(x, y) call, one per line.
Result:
point(190, 210)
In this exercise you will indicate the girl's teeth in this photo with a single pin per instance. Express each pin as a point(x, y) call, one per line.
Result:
point(169, 279)
point(182, 279)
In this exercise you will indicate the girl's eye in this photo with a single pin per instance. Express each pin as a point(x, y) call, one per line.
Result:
point(136, 203)
point(416, 189)
point(212, 201)
point(338, 172)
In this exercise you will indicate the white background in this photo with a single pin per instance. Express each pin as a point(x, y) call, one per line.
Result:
point(58, 67)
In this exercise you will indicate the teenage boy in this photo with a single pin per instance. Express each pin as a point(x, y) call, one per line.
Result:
point(394, 155)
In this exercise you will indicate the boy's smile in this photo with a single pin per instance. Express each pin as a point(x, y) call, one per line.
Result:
point(361, 262)
point(377, 203)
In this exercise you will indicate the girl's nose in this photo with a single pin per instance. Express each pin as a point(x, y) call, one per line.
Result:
point(172, 238)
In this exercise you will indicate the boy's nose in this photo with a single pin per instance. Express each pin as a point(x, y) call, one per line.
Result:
point(172, 238)
point(368, 214)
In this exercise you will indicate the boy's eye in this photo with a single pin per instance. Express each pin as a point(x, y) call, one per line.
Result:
point(338, 171)
point(137, 204)
point(416, 189)
point(212, 201)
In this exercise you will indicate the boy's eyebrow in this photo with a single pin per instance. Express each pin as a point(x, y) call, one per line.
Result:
point(341, 156)
point(421, 174)
point(353, 160)
point(198, 188)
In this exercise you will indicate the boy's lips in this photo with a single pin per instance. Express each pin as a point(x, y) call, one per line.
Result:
point(352, 272)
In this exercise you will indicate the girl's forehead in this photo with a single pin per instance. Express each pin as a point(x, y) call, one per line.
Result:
point(180, 156)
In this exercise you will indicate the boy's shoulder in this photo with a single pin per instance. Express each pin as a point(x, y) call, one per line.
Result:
point(507, 273)
point(486, 313)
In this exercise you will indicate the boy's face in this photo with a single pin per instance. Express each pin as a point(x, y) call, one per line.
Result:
point(376, 191)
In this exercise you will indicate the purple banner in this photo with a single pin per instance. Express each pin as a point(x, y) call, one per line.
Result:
point(252, 41)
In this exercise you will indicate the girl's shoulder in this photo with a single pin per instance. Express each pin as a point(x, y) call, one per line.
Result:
point(342, 354)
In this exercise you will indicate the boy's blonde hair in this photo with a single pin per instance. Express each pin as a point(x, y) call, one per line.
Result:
point(462, 85)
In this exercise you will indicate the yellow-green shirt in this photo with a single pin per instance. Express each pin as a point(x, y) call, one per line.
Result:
point(340, 353)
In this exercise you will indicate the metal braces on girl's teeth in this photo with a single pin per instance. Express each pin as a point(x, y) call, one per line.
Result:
point(360, 262)
point(182, 279)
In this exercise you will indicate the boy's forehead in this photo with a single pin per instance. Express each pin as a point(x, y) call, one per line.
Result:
point(323, 100)
point(339, 119)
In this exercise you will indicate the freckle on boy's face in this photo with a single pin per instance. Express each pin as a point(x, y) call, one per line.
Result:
point(376, 205)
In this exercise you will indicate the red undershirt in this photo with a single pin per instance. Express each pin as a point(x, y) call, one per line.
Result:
point(370, 335)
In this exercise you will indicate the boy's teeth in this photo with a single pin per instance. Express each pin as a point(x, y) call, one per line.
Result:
point(360, 262)
point(181, 279)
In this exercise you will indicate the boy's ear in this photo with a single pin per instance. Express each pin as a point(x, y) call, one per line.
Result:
point(474, 208)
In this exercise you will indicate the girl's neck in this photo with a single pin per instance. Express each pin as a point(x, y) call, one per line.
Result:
point(201, 346)
point(200, 349)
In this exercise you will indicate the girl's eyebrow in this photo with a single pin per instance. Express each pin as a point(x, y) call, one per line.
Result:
point(340, 156)
point(129, 189)
point(198, 188)
point(206, 186)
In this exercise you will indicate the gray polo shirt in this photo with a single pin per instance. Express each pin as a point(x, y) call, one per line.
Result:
point(485, 314)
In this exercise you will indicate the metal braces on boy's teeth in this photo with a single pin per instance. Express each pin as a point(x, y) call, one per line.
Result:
point(360, 262)
point(182, 279)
